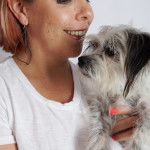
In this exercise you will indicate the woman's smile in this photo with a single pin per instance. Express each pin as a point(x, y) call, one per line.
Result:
point(76, 34)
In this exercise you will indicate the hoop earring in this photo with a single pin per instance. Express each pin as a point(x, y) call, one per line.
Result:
point(24, 36)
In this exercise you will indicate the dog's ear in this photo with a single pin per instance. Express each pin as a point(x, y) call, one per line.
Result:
point(138, 55)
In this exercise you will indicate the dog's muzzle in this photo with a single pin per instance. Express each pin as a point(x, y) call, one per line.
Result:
point(84, 61)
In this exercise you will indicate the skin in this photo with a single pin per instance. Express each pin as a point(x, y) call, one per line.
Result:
point(126, 126)
point(51, 47)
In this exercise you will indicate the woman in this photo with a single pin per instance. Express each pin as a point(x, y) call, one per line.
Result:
point(40, 95)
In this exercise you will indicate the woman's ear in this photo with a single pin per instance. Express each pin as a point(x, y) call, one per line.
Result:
point(18, 8)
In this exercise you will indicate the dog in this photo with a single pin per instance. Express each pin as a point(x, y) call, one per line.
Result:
point(114, 70)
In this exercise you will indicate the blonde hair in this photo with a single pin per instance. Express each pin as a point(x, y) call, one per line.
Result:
point(10, 29)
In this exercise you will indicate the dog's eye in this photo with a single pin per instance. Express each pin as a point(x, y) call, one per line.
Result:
point(110, 52)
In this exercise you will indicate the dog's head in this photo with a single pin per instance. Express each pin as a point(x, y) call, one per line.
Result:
point(115, 58)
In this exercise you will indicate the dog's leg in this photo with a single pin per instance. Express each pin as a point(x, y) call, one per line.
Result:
point(141, 137)
point(98, 140)
point(100, 128)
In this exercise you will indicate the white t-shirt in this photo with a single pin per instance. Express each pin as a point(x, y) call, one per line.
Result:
point(34, 122)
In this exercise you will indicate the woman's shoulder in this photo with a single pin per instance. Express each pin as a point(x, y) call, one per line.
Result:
point(6, 72)
point(5, 63)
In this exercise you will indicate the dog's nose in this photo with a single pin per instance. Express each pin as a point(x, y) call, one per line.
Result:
point(83, 60)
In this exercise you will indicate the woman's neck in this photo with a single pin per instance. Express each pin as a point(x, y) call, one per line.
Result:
point(52, 78)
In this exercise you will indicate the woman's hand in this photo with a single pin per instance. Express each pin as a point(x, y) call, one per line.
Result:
point(123, 129)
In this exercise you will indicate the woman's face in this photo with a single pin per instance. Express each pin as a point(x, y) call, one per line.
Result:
point(58, 25)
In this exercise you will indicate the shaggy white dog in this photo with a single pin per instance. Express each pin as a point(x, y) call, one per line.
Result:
point(115, 70)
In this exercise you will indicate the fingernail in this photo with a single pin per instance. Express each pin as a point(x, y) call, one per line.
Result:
point(114, 138)
point(113, 111)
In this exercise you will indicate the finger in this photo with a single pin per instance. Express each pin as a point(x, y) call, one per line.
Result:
point(121, 110)
point(123, 136)
point(125, 124)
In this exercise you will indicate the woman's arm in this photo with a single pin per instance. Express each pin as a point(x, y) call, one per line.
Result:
point(9, 147)
point(123, 129)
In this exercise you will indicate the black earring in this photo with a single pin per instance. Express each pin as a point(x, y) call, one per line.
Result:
point(24, 36)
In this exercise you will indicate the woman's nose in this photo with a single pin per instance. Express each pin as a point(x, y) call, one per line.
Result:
point(84, 11)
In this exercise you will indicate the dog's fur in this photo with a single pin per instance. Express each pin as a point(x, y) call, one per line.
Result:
point(115, 70)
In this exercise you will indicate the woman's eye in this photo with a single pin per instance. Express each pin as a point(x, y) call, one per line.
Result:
point(110, 52)
point(67, 1)
point(63, 1)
